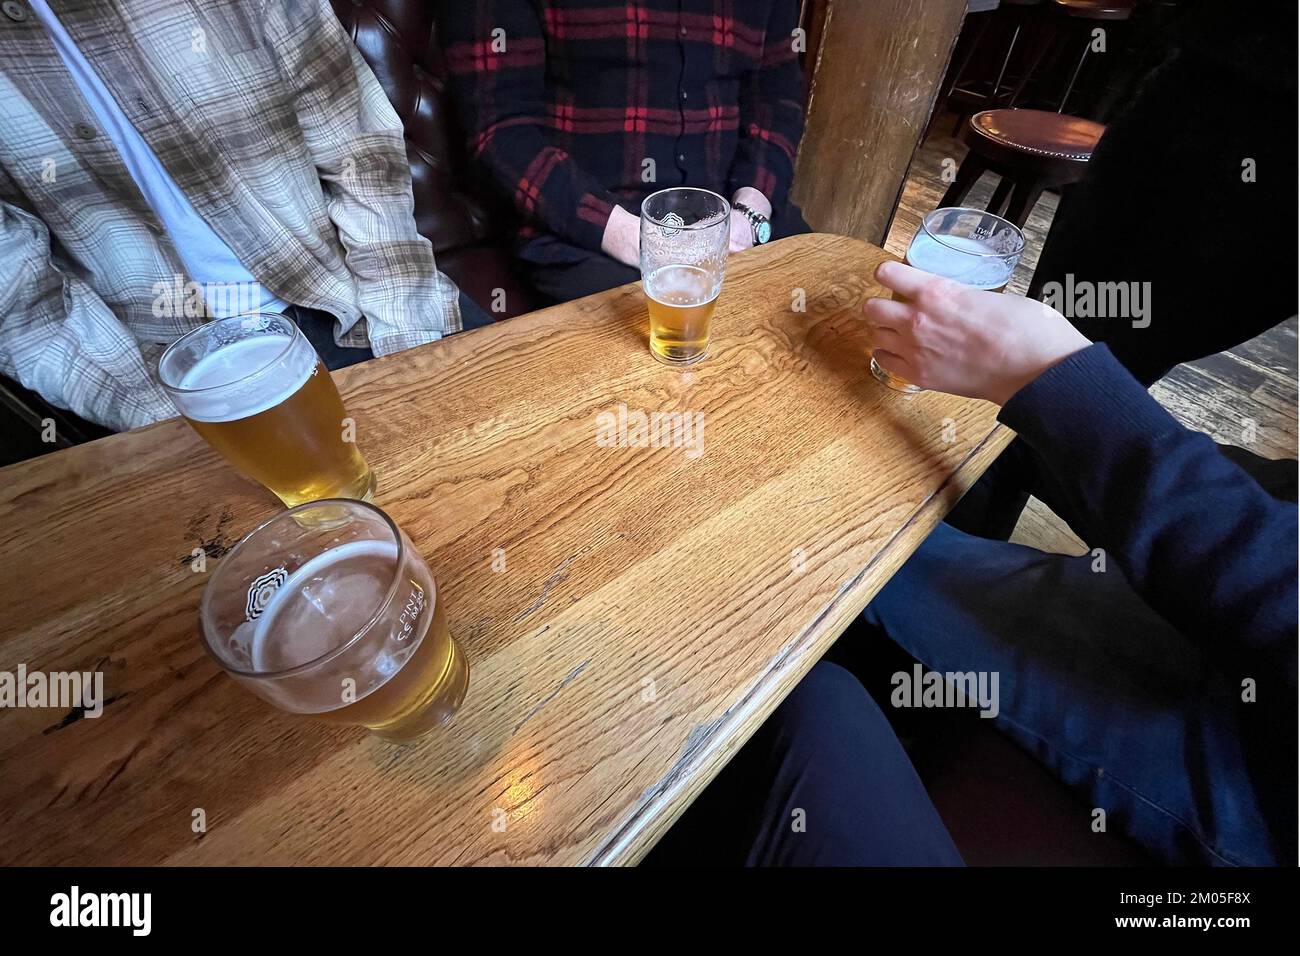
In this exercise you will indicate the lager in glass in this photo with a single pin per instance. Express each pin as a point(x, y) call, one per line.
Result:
point(328, 610)
point(685, 234)
point(254, 389)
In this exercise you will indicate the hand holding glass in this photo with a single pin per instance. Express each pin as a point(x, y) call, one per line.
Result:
point(970, 246)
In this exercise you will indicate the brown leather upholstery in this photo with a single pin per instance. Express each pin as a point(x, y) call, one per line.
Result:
point(1051, 136)
point(470, 235)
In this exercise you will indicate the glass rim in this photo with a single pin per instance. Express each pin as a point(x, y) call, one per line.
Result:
point(210, 588)
point(726, 207)
point(925, 227)
point(295, 334)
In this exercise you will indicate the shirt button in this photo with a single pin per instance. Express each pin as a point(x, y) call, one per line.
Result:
point(682, 31)
point(681, 157)
point(84, 131)
point(14, 10)
point(684, 94)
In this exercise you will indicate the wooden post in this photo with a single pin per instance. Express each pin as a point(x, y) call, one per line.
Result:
point(878, 71)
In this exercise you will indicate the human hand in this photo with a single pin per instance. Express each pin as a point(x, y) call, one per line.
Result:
point(622, 238)
point(742, 233)
point(952, 338)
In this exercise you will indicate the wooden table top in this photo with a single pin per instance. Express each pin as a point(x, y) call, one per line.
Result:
point(655, 604)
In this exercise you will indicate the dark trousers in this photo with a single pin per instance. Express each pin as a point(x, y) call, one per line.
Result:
point(824, 782)
point(1107, 694)
point(562, 272)
point(318, 327)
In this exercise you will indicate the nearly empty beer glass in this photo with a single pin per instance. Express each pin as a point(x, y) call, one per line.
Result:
point(327, 609)
point(254, 389)
point(685, 234)
point(970, 246)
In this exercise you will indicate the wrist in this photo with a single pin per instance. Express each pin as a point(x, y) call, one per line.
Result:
point(622, 238)
point(755, 200)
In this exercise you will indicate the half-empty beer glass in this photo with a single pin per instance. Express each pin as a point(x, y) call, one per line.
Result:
point(685, 235)
point(970, 246)
point(327, 609)
point(254, 389)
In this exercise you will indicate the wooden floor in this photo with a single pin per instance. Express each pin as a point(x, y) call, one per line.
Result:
point(1245, 397)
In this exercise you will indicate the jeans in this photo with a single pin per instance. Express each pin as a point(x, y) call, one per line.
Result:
point(318, 327)
point(824, 782)
point(1107, 694)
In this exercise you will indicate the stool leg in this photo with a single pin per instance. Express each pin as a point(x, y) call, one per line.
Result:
point(1023, 201)
point(992, 101)
point(1000, 195)
point(1073, 78)
point(968, 174)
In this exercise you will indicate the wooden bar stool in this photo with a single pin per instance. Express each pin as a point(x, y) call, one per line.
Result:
point(1031, 150)
point(1085, 12)
point(1007, 19)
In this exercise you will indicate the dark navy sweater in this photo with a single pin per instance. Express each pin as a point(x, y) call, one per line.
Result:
point(1198, 539)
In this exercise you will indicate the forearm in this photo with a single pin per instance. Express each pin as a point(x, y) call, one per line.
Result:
point(357, 144)
point(59, 339)
point(1193, 533)
point(496, 58)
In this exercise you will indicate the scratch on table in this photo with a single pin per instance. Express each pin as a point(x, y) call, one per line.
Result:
point(696, 740)
point(556, 577)
point(79, 713)
point(572, 676)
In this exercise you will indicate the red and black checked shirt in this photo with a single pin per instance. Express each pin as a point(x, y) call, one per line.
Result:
point(575, 105)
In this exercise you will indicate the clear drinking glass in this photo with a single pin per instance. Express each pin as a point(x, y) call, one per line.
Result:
point(327, 609)
point(685, 234)
point(970, 246)
point(253, 387)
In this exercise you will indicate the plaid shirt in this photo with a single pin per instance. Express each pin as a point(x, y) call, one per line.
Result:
point(577, 105)
point(268, 119)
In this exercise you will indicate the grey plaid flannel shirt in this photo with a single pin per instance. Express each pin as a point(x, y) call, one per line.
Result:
point(270, 122)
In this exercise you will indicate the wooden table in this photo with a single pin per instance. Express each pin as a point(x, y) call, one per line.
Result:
point(655, 605)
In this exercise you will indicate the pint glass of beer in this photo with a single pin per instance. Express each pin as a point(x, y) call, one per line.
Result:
point(685, 234)
point(253, 388)
point(327, 609)
point(970, 246)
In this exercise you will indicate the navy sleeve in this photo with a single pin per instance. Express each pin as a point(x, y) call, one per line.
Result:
point(1195, 535)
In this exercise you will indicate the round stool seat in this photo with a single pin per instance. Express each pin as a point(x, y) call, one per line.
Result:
point(1021, 135)
point(1095, 9)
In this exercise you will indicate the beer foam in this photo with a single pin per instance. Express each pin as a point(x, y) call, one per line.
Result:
point(678, 285)
point(229, 394)
point(953, 259)
point(323, 605)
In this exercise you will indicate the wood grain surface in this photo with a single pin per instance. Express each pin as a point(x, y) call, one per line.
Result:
point(654, 607)
point(878, 70)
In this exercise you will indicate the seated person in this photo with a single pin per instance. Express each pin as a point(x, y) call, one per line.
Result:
point(1141, 215)
point(580, 112)
point(151, 165)
point(1155, 675)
